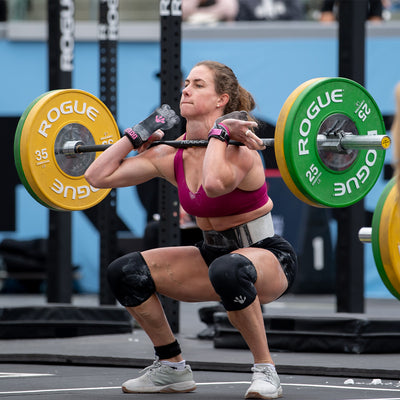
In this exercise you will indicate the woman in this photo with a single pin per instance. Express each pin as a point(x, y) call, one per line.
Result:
point(240, 261)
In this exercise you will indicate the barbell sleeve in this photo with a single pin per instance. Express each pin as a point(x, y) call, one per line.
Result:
point(353, 142)
point(365, 235)
point(335, 144)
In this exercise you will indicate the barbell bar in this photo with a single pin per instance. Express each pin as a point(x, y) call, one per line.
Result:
point(384, 235)
point(330, 143)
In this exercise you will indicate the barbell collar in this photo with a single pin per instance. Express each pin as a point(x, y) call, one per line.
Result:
point(365, 234)
point(70, 148)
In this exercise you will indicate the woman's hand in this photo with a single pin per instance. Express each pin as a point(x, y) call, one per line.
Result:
point(156, 135)
point(241, 131)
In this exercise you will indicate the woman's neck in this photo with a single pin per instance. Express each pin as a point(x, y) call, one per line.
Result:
point(199, 129)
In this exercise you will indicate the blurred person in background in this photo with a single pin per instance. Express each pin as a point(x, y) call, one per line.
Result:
point(329, 10)
point(209, 11)
point(270, 10)
point(395, 129)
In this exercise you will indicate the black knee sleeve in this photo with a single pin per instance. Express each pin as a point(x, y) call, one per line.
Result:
point(130, 280)
point(233, 277)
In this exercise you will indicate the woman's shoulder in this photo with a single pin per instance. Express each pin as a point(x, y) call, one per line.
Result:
point(160, 152)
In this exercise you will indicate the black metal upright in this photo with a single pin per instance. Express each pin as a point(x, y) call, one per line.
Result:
point(61, 42)
point(107, 209)
point(349, 251)
point(169, 233)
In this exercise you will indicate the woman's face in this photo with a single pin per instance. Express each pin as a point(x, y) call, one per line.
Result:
point(199, 98)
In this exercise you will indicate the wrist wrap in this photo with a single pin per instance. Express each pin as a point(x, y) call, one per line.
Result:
point(220, 132)
point(134, 138)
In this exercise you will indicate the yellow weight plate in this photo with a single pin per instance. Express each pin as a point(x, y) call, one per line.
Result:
point(389, 238)
point(379, 236)
point(56, 118)
point(279, 142)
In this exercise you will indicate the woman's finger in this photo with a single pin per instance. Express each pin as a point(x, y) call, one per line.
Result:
point(156, 135)
point(254, 141)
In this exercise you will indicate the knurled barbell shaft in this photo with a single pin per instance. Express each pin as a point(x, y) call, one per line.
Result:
point(365, 235)
point(334, 144)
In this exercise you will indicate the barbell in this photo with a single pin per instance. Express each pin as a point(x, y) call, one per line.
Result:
point(384, 235)
point(338, 143)
point(330, 142)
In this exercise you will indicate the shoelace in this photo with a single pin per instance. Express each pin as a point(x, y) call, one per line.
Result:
point(264, 374)
point(156, 364)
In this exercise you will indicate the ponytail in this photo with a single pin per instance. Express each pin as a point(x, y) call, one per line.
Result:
point(246, 100)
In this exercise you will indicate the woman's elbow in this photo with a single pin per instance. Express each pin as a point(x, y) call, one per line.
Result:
point(93, 179)
point(214, 187)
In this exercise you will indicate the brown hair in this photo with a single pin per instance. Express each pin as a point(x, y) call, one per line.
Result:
point(226, 82)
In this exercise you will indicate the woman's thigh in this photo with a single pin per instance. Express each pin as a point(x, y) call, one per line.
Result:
point(180, 273)
point(271, 281)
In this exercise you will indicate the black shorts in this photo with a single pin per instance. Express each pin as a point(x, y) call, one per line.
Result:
point(277, 245)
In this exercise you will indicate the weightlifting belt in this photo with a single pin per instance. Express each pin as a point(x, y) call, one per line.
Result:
point(242, 235)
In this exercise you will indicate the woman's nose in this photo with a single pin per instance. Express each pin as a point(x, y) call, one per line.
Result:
point(185, 91)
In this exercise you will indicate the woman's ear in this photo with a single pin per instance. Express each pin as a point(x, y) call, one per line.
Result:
point(223, 100)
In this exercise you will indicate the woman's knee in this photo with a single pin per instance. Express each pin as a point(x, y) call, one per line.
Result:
point(233, 276)
point(130, 280)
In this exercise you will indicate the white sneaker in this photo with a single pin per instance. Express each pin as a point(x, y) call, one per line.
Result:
point(265, 384)
point(159, 378)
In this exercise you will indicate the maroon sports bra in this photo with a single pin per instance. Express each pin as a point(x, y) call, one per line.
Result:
point(200, 205)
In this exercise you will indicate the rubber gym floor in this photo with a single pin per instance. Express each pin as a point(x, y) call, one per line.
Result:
point(93, 367)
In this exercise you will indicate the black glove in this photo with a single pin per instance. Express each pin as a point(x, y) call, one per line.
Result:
point(163, 117)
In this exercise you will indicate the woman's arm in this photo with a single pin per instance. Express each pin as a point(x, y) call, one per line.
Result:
point(224, 168)
point(112, 169)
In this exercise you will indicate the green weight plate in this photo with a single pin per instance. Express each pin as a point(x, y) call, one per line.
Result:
point(329, 179)
point(386, 238)
point(17, 153)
